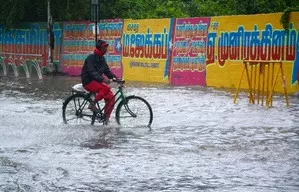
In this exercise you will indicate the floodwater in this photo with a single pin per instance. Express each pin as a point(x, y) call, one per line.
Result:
point(200, 141)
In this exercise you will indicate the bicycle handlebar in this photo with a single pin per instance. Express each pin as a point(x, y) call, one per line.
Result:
point(119, 81)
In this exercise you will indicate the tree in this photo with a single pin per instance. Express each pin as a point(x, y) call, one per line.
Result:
point(14, 11)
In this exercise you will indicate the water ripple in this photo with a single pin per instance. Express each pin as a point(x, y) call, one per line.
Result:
point(200, 141)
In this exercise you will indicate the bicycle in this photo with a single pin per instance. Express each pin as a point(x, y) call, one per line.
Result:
point(128, 109)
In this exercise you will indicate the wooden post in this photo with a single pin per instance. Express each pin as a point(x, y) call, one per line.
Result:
point(284, 84)
point(272, 81)
point(255, 73)
point(268, 80)
point(263, 81)
point(257, 77)
point(259, 85)
point(249, 85)
point(237, 91)
point(252, 79)
point(271, 92)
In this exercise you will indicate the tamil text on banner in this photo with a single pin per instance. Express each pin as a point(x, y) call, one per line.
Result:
point(145, 46)
point(78, 43)
point(233, 39)
point(27, 46)
point(111, 32)
point(188, 51)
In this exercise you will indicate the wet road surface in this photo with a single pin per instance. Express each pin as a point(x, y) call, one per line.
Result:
point(200, 141)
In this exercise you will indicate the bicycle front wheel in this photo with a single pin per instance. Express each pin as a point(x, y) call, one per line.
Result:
point(135, 112)
point(75, 110)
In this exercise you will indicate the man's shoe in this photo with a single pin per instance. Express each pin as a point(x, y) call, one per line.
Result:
point(93, 107)
point(106, 122)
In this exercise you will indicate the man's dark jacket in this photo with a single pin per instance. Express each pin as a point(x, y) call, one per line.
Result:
point(93, 69)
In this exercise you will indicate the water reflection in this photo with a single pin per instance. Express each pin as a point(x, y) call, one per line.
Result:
point(199, 140)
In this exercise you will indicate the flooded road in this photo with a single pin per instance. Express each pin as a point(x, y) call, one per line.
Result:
point(200, 141)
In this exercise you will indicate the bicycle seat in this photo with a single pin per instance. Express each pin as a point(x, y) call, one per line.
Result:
point(79, 88)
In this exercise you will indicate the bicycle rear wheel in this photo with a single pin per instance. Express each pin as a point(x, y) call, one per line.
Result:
point(136, 112)
point(75, 110)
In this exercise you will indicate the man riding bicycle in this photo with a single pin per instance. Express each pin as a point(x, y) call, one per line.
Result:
point(92, 72)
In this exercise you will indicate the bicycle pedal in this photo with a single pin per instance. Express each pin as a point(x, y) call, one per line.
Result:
point(106, 122)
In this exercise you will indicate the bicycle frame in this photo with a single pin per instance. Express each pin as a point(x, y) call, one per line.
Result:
point(100, 115)
point(119, 95)
point(80, 99)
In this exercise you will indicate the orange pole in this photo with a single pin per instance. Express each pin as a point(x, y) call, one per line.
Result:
point(237, 91)
point(262, 79)
point(263, 82)
point(251, 76)
point(258, 85)
point(249, 85)
point(273, 85)
point(271, 93)
point(255, 72)
point(268, 80)
point(284, 84)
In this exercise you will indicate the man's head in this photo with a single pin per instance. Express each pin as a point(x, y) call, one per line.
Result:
point(102, 46)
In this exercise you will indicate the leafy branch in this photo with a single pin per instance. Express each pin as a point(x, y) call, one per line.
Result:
point(285, 17)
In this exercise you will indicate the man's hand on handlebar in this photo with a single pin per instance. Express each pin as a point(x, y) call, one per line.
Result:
point(108, 81)
point(117, 80)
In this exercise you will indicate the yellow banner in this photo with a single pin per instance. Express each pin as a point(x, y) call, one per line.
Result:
point(145, 46)
point(233, 39)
